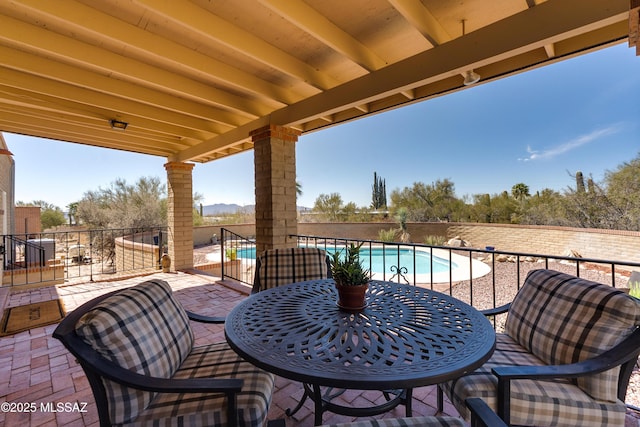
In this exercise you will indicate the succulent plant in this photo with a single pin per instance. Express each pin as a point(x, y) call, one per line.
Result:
point(348, 270)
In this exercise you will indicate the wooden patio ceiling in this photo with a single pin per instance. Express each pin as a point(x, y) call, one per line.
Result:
point(193, 78)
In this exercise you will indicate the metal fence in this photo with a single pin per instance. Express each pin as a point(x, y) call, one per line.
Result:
point(238, 256)
point(80, 254)
point(482, 277)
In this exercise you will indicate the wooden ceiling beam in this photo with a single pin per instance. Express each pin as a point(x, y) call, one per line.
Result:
point(212, 26)
point(75, 132)
point(486, 45)
point(308, 19)
point(65, 96)
point(423, 20)
point(129, 38)
point(634, 19)
point(104, 62)
point(36, 65)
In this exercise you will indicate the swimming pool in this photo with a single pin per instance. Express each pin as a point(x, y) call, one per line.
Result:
point(385, 260)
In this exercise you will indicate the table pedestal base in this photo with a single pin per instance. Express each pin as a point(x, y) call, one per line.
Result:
point(323, 402)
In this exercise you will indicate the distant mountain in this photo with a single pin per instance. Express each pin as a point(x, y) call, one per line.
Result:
point(225, 208)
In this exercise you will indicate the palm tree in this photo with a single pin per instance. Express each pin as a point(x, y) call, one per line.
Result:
point(520, 191)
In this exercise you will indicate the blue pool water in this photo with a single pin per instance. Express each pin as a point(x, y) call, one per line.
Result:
point(380, 260)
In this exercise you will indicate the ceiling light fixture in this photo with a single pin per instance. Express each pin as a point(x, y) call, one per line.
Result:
point(470, 77)
point(118, 125)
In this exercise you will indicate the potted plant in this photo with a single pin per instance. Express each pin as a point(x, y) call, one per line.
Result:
point(634, 289)
point(231, 253)
point(352, 280)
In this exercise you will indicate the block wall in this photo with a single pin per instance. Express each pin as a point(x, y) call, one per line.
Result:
point(130, 255)
point(545, 240)
point(180, 214)
point(275, 186)
point(27, 220)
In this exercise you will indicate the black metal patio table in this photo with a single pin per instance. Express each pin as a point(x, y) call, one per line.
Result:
point(405, 337)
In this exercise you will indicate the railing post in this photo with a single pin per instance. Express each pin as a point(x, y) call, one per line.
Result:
point(223, 239)
point(160, 243)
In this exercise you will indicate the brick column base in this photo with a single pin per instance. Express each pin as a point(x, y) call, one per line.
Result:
point(180, 214)
point(275, 178)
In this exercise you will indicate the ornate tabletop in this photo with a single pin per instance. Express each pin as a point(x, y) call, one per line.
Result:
point(406, 337)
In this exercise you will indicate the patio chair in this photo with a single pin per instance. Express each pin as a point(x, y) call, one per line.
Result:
point(275, 267)
point(481, 416)
point(565, 357)
point(137, 349)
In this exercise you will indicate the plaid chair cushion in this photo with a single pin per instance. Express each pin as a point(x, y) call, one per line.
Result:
point(144, 329)
point(197, 409)
point(281, 266)
point(564, 319)
point(533, 403)
point(405, 422)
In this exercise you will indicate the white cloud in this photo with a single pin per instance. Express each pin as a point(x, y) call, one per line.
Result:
point(569, 145)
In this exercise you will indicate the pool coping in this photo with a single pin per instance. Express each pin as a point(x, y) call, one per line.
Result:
point(461, 273)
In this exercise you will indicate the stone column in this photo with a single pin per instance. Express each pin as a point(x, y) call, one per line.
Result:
point(275, 178)
point(180, 214)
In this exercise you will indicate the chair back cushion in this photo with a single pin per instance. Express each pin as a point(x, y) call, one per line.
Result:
point(277, 267)
point(143, 329)
point(564, 319)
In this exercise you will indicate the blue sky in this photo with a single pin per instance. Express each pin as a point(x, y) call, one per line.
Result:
point(538, 128)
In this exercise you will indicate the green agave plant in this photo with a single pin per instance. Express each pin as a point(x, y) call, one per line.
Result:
point(348, 270)
point(634, 289)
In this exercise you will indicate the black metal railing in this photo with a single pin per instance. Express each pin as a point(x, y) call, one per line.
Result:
point(21, 252)
point(80, 254)
point(485, 278)
point(238, 255)
point(506, 274)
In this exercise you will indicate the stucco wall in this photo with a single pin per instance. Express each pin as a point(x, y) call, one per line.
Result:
point(6, 189)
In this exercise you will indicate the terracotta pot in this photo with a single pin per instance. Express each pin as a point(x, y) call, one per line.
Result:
point(165, 261)
point(352, 298)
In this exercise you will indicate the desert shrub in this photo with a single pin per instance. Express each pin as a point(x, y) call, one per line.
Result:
point(388, 235)
point(435, 240)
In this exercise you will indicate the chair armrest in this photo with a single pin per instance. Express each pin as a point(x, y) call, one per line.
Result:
point(204, 319)
point(625, 351)
point(482, 415)
point(497, 310)
point(181, 385)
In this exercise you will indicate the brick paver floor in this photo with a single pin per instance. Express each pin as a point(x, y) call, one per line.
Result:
point(36, 371)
